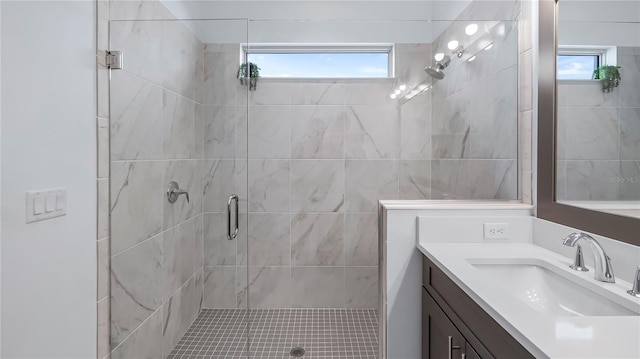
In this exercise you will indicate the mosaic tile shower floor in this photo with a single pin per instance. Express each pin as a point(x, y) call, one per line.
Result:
point(323, 333)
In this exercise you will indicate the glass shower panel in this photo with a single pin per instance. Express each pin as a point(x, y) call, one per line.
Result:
point(178, 114)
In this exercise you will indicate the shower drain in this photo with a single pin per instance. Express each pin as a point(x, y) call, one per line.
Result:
point(297, 352)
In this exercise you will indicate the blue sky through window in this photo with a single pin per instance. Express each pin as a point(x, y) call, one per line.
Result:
point(322, 65)
point(576, 67)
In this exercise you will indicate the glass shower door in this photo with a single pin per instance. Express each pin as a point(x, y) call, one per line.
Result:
point(178, 141)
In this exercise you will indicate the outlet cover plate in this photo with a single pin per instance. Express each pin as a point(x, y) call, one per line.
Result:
point(496, 231)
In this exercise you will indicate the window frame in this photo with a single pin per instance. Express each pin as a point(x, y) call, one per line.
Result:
point(606, 56)
point(388, 49)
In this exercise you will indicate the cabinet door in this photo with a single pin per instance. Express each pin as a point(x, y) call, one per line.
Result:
point(440, 338)
point(470, 352)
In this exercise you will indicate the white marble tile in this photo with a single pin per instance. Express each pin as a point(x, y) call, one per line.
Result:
point(525, 81)
point(474, 179)
point(198, 261)
point(137, 194)
point(415, 132)
point(188, 175)
point(592, 133)
point(373, 93)
point(371, 132)
point(180, 52)
point(317, 131)
point(220, 82)
point(270, 93)
point(103, 147)
point(317, 287)
point(103, 208)
point(269, 240)
point(136, 118)
point(630, 180)
point(525, 143)
point(630, 133)
point(137, 39)
point(103, 268)
point(218, 250)
point(586, 95)
point(593, 180)
point(103, 328)
point(317, 239)
point(139, 10)
point(145, 342)
point(464, 126)
point(198, 129)
point(178, 121)
point(317, 185)
point(415, 179)
point(269, 185)
point(136, 287)
point(361, 287)
point(220, 131)
point(102, 84)
point(270, 287)
point(178, 255)
point(630, 84)
point(269, 132)
point(218, 184)
point(368, 181)
point(319, 93)
point(180, 311)
point(361, 239)
point(220, 287)
point(561, 180)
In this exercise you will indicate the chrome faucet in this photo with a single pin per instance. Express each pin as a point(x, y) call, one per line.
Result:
point(603, 270)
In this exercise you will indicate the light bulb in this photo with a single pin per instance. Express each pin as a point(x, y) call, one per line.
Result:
point(489, 46)
point(452, 45)
point(471, 29)
point(402, 87)
point(393, 96)
point(472, 58)
point(439, 56)
point(398, 92)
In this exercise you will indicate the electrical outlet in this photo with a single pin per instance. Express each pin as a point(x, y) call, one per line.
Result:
point(496, 230)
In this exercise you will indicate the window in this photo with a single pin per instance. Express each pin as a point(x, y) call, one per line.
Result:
point(577, 66)
point(322, 61)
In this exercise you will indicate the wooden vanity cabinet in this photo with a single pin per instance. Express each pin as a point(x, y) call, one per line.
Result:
point(455, 327)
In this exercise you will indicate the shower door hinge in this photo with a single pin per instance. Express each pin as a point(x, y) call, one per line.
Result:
point(114, 60)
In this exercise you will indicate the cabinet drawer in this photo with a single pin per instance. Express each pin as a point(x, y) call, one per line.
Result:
point(481, 331)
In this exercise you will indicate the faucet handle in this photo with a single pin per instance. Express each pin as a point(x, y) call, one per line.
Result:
point(635, 291)
point(578, 263)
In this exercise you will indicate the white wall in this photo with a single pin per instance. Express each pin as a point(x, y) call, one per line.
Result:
point(48, 140)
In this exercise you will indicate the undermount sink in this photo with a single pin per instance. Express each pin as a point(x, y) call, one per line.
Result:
point(543, 289)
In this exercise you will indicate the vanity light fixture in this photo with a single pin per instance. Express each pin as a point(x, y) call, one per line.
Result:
point(471, 29)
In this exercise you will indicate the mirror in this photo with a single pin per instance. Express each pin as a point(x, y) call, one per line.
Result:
point(598, 119)
point(624, 228)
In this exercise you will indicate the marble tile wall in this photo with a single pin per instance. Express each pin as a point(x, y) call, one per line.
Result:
point(476, 108)
point(318, 156)
point(156, 134)
point(599, 136)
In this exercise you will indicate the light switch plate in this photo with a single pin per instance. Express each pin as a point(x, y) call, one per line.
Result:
point(46, 204)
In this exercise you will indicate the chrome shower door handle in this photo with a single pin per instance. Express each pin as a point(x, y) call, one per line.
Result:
point(231, 236)
point(174, 191)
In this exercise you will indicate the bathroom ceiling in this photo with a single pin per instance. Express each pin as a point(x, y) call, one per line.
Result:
point(312, 21)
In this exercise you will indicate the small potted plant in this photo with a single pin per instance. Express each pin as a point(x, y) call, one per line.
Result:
point(609, 77)
point(251, 76)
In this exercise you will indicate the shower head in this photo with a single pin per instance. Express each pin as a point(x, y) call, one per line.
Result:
point(436, 71)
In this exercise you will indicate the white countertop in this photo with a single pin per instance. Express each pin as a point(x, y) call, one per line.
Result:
point(544, 335)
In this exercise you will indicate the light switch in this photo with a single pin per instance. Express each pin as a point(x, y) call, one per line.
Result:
point(46, 204)
point(50, 204)
point(38, 205)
